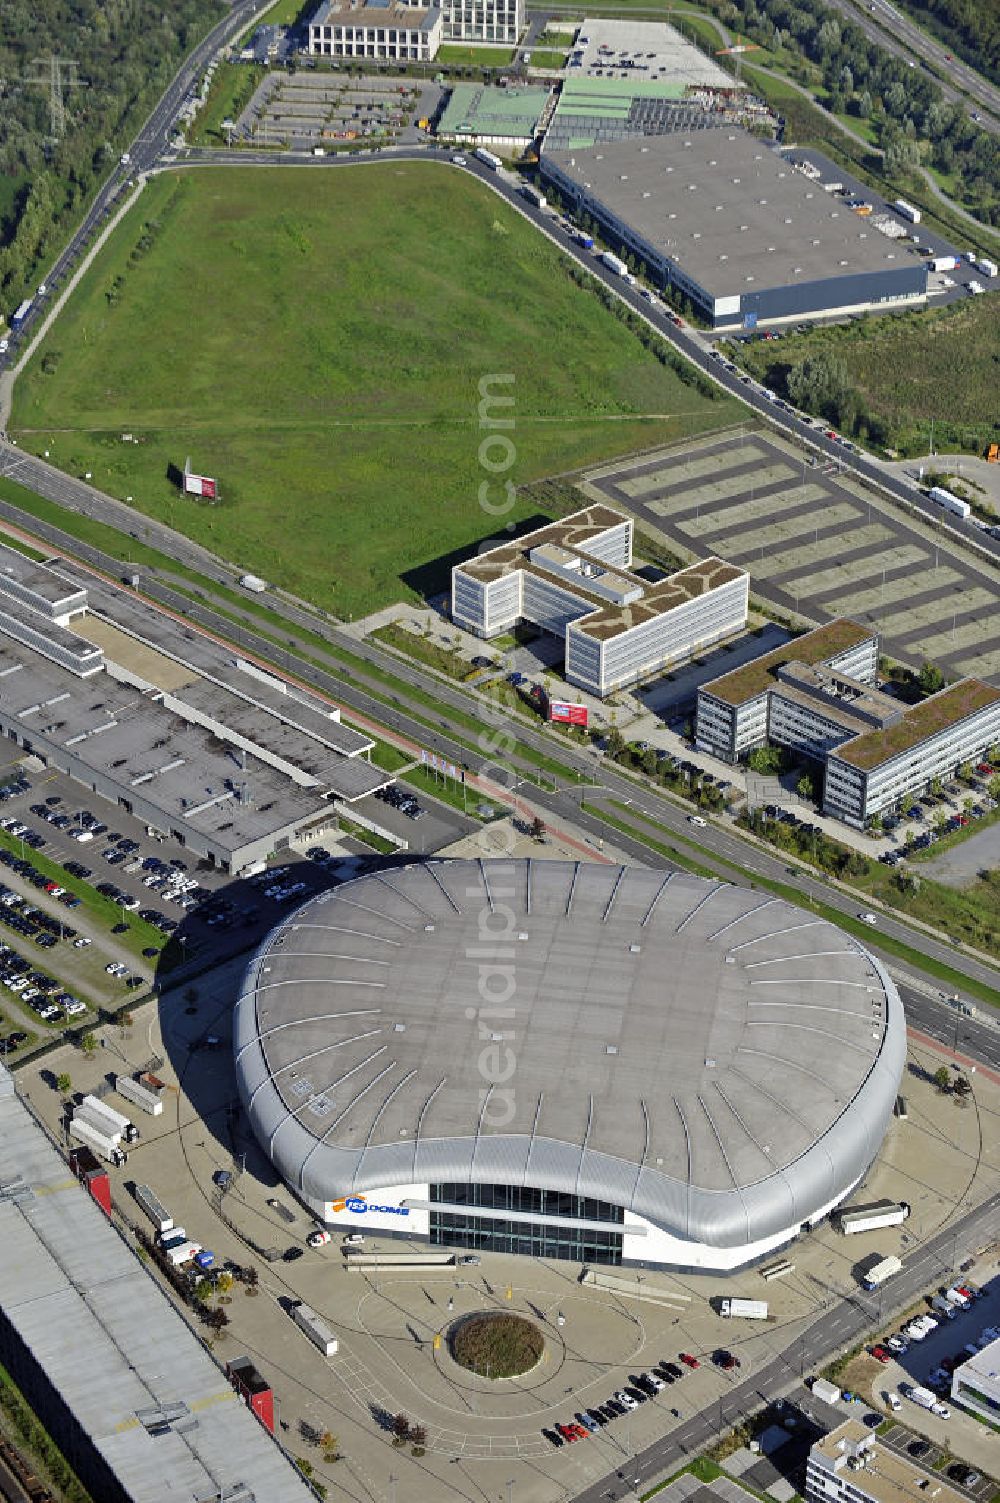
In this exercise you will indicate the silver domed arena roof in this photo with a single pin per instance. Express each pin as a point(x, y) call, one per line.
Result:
point(714, 1059)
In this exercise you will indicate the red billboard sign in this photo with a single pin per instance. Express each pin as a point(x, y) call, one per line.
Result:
point(564, 713)
point(199, 485)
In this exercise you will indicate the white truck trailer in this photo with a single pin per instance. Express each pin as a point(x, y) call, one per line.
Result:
point(117, 1121)
point(907, 210)
point(743, 1309)
point(827, 1391)
point(534, 195)
point(613, 263)
point(86, 1129)
point(144, 1092)
point(315, 1328)
point(950, 502)
point(157, 1213)
point(928, 1400)
point(871, 1218)
point(943, 263)
point(253, 583)
point(882, 1270)
point(487, 158)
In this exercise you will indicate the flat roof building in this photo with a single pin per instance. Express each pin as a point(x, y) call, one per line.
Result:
point(647, 1016)
point(461, 20)
point(850, 1465)
point(975, 1384)
point(819, 695)
point(725, 220)
point(647, 52)
point(140, 1409)
point(39, 587)
point(572, 578)
point(391, 32)
point(496, 117)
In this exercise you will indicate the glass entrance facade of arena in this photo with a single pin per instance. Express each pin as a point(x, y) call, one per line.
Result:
point(538, 1237)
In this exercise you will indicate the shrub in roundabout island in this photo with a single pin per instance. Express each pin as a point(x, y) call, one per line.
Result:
point(499, 1345)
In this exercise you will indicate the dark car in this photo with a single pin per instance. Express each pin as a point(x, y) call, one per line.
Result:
point(724, 1359)
point(553, 1437)
point(151, 952)
point(919, 1447)
point(291, 1254)
point(672, 1369)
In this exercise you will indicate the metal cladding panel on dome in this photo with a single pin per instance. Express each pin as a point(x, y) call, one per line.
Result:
point(717, 1061)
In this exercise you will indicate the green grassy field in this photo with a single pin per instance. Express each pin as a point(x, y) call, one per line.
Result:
point(897, 361)
point(317, 341)
point(475, 57)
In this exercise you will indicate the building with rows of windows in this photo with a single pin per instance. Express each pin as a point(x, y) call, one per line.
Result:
point(380, 31)
point(851, 1465)
point(567, 1060)
point(819, 696)
point(573, 578)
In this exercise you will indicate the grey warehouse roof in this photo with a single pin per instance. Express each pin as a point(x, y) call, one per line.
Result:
point(38, 585)
point(713, 1059)
point(111, 1344)
point(731, 212)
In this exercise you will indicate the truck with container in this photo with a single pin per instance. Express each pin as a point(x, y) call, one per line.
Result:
point(117, 1121)
point(881, 1270)
point(825, 1390)
point(21, 312)
point(907, 210)
point(534, 195)
point(86, 1129)
point(183, 1252)
point(145, 1092)
point(253, 583)
point(613, 263)
point(950, 502)
point(743, 1309)
point(583, 239)
point(152, 1209)
point(928, 1400)
point(850, 1220)
point(943, 263)
point(315, 1328)
point(988, 268)
point(487, 158)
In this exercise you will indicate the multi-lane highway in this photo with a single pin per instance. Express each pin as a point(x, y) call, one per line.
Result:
point(842, 1323)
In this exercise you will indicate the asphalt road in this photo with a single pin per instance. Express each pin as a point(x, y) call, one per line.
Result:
point(891, 28)
point(840, 1325)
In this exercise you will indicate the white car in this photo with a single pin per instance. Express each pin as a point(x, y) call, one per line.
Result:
point(696, 819)
point(898, 1344)
point(82, 942)
point(868, 918)
point(656, 1381)
point(318, 1238)
point(460, 161)
point(625, 1399)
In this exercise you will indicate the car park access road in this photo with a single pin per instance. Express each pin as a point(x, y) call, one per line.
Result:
point(843, 1322)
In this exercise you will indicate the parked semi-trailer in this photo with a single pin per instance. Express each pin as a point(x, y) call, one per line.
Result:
point(157, 1213)
point(117, 1121)
point(613, 263)
point(943, 263)
point(882, 1270)
point(743, 1309)
point(536, 197)
point(315, 1328)
point(907, 210)
point(870, 1218)
point(487, 158)
point(96, 1136)
point(146, 1092)
point(954, 504)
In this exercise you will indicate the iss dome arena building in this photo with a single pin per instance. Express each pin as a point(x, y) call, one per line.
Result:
point(568, 1060)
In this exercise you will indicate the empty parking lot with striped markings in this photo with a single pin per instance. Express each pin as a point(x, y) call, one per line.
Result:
point(815, 543)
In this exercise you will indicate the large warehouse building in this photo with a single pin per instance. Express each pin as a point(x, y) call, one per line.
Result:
point(569, 1061)
point(722, 218)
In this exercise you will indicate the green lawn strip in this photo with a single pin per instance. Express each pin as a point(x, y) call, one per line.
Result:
point(368, 837)
point(446, 789)
point(475, 57)
point(324, 401)
point(545, 59)
point(140, 934)
point(229, 93)
point(285, 13)
point(35, 1439)
point(680, 858)
point(954, 980)
point(390, 758)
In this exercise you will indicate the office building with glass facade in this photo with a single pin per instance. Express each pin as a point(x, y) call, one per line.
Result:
point(567, 1060)
point(573, 579)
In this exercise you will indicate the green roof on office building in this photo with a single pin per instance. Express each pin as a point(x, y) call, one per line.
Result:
point(479, 110)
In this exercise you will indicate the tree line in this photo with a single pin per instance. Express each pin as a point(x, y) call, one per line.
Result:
point(912, 121)
point(125, 54)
